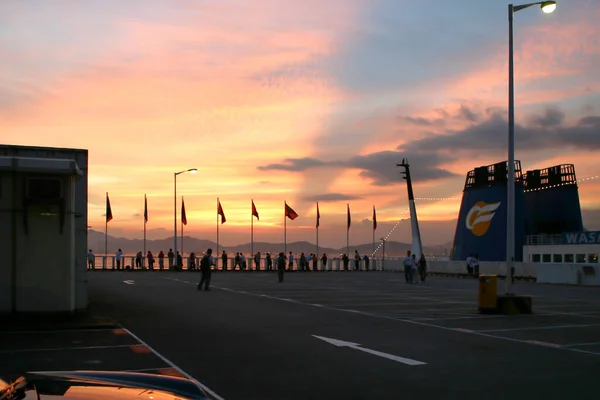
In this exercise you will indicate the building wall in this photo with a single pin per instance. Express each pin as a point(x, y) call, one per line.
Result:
point(50, 266)
point(6, 260)
point(562, 253)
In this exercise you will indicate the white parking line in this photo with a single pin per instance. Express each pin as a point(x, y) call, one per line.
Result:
point(55, 331)
point(582, 344)
point(539, 328)
point(182, 372)
point(415, 322)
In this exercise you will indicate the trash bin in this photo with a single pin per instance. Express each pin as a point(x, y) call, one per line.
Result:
point(488, 299)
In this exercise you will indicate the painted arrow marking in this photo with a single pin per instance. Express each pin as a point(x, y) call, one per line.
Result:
point(129, 282)
point(355, 346)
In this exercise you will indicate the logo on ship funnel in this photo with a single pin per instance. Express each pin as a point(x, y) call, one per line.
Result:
point(479, 217)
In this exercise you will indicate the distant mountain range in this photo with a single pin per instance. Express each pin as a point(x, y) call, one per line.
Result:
point(132, 246)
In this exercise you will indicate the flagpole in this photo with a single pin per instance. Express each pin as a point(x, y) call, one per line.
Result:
point(284, 230)
point(145, 211)
point(317, 230)
point(252, 234)
point(373, 253)
point(217, 254)
point(182, 230)
point(347, 231)
point(106, 231)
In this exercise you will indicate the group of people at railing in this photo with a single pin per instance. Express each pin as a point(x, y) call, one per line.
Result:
point(175, 262)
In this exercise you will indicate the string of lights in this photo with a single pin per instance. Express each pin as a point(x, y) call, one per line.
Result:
point(525, 191)
point(404, 214)
point(562, 184)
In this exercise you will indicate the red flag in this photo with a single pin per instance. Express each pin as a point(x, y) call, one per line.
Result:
point(109, 216)
point(318, 214)
point(349, 220)
point(221, 213)
point(254, 212)
point(291, 214)
point(145, 209)
point(183, 217)
point(374, 219)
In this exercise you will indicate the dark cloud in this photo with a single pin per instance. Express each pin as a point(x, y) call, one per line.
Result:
point(487, 134)
point(294, 164)
point(380, 167)
point(551, 118)
point(466, 114)
point(331, 197)
point(490, 135)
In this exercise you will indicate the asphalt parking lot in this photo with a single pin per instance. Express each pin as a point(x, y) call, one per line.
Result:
point(88, 344)
point(329, 335)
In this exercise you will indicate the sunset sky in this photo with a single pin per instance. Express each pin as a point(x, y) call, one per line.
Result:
point(301, 101)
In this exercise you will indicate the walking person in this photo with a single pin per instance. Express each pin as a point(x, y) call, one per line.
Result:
point(205, 264)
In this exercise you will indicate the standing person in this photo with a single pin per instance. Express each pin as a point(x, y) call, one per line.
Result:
point(224, 259)
point(324, 262)
point(205, 264)
point(366, 259)
point(423, 267)
point(356, 260)
point(315, 262)
point(280, 266)
point(179, 262)
point(161, 260)
point(91, 257)
point(243, 261)
point(476, 266)
point(345, 260)
point(150, 261)
point(257, 261)
point(118, 255)
point(415, 269)
point(171, 256)
point(408, 267)
point(290, 262)
point(138, 259)
point(269, 262)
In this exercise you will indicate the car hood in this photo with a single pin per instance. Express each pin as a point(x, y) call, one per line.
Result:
point(83, 385)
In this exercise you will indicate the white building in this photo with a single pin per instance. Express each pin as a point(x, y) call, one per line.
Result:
point(43, 229)
point(568, 248)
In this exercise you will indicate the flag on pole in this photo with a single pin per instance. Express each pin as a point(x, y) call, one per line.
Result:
point(374, 219)
point(221, 213)
point(291, 214)
point(318, 214)
point(349, 219)
point(254, 212)
point(109, 215)
point(145, 209)
point(183, 216)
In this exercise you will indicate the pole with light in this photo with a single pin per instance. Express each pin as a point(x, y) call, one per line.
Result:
point(547, 7)
point(193, 171)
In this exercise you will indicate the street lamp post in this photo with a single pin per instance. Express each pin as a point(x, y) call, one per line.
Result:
point(547, 7)
point(193, 171)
